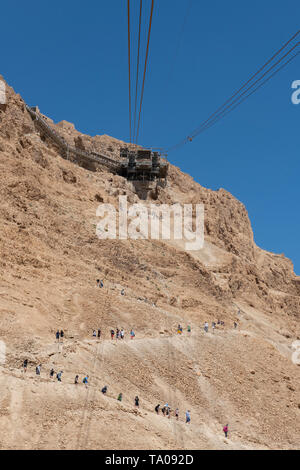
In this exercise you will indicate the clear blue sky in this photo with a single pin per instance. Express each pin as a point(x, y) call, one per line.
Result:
point(70, 58)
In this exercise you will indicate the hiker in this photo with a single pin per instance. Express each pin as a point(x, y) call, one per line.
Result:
point(177, 414)
point(235, 325)
point(157, 408)
point(76, 379)
point(104, 390)
point(168, 412)
point(163, 410)
point(120, 397)
point(117, 333)
point(99, 333)
point(122, 292)
point(52, 372)
point(206, 327)
point(62, 334)
point(213, 326)
point(179, 329)
point(99, 283)
point(38, 369)
point(187, 416)
point(122, 333)
point(25, 364)
point(132, 334)
point(58, 376)
point(225, 430)
point(94, 334)
point(85, 381)
point(189, 329)
point(112, 334)
point(137, 401)
point(57, 335)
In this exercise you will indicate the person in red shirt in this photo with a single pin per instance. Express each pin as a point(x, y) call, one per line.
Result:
point(225, 430)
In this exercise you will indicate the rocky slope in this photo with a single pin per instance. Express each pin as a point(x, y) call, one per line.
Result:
point(50, 259)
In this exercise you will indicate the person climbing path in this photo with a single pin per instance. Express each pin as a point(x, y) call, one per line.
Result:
point(57, 335)
point(52, 372)
point(25, 364)
point(187, 416)
point(58, 376)
point(76, 380)
point(120, 397)
point(104, 390)
point(206, 327)
point(137, 401)
point(177, 414)
point(132, 333)
point(112, 334)
point(99, 333)
point(157, 409)
point(86, 381)
point(189, 329)
point(225, 430)
point(38, 369)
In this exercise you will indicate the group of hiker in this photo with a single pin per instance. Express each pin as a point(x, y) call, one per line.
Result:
point(97, 334)
point(180, 329)
point(59, 335)
point(166, 411)
point(99, 283)
point(120, 333)
point(85, 380)
point(38, 370)
point(214, 325)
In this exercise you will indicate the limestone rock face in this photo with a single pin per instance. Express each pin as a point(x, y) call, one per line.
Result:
point(50, 260)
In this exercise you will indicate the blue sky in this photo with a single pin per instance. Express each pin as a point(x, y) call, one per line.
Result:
point(70, 58)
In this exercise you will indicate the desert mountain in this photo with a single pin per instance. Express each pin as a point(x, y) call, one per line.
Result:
point(50, 260)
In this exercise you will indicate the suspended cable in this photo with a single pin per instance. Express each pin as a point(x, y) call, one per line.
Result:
point(196, 131)
point(137, 68)
point(179, 41)
point(129, 72)
point(218, 118)
point(145, 69)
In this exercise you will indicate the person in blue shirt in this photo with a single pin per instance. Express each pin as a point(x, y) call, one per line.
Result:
point(85, 380)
